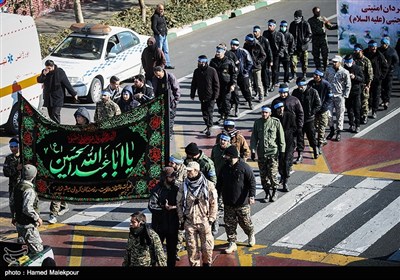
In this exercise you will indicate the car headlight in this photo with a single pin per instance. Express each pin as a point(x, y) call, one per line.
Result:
point(75, 80)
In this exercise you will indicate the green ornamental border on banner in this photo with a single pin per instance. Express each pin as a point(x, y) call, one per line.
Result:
point(118, 159)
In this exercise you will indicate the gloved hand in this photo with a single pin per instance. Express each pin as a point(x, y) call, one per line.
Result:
point(253, 156)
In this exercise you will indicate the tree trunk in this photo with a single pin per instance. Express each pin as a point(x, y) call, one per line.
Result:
point(142, 10)
point(78, 11)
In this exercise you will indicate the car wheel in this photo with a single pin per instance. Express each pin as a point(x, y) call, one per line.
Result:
point(12, 126)
point(95, 90)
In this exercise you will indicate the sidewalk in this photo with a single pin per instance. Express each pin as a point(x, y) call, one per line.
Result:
point(93, 12)
point(97, 11)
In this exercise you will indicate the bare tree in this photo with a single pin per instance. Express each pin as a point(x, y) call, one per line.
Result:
point(78, 11)
point(142, 10)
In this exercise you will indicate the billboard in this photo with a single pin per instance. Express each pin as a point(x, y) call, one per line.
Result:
point(363, 20)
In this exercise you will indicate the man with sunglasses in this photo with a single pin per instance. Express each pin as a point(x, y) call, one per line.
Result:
point(12, 167)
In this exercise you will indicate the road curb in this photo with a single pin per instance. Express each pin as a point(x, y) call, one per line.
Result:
point(177, 32)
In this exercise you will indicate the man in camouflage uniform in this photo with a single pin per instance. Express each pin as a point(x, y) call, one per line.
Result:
point(144, 247)
point(268, 139)
point(26, 206)
point(12, 168)
point(197, 210)
point(318, 25)
point(238, 187)
point(366, 67)
point(106, 108)
point(206, 167)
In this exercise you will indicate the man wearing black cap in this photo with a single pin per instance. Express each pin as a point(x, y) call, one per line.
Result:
point(301, 31)
point(205, 81)
point(152, 56)
point(12, 167)
point(237, 184)
point(162, 205)
point(193, 153)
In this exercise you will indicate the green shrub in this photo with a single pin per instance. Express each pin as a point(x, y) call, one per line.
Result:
point(179, 13)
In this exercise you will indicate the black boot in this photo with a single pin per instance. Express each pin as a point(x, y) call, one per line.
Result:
point(250, 105)
point(285, 187)
point(316, 152)
point(331, 134)
point(338, 137)
point(273, 195)
point(299, 158)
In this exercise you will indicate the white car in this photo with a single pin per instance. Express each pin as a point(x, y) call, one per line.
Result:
point(93, 53)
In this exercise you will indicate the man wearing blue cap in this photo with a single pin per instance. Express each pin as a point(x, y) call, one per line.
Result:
point(266, 66)
point(278, 48)
point(380, 67)
point(268, 140)
point(292, 104)
point(366, 67)
point(311, 103)
point(301, 31)
point(353, 102)
point(106, 108)
point(237, 139)
point(322, 116)
point(227, 75)
point(205, 81)
point(244, 67)
point(392, 60)
point(288, 121)
point(286, 59)
point(258, 56)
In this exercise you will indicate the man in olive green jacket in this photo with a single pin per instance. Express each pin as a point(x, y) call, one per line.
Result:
point(268, 139)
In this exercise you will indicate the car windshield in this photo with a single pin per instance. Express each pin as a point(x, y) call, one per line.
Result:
point(80, 48)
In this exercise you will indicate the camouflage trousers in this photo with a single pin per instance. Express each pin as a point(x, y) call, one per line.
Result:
point(364, 102)
point(321, 122)
point(268, 172)
point(56, 206)
point(235, 215)
point(301, 56)
point(181, 239)
point(194, 232)
point(32, 237)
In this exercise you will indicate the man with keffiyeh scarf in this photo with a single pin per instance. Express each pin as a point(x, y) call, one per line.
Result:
point(197, 203)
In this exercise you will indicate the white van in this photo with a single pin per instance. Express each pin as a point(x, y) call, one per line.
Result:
point(20, 64)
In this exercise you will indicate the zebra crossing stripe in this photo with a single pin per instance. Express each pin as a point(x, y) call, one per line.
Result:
point(332, 213)
point(360, 240)
point(292, 199)
point(125, 224)
point(92, 213)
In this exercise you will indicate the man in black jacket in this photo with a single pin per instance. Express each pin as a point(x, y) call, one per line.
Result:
point(205, 81)
point(159, 27)
point(237, 184)
point(54, 82)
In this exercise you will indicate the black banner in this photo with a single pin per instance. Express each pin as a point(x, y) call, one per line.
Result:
point(118, 159)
